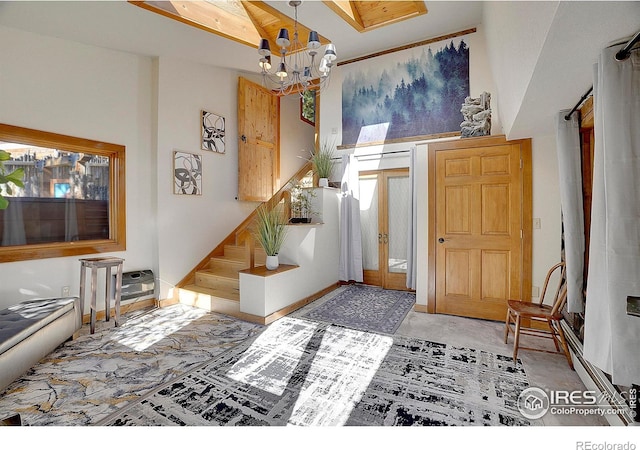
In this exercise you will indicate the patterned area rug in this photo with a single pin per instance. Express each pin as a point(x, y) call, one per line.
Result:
point(366, 308)
point(299, 372)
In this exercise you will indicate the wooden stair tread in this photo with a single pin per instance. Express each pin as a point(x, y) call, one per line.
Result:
point(228, 273)
point(233, 295)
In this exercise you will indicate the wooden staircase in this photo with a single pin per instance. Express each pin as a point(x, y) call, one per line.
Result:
point(214, 284)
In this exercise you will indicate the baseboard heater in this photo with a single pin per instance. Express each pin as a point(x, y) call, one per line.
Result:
point(596, 379)
point(135, 284)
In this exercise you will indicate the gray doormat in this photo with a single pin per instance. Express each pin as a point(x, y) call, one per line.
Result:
point(366, 308)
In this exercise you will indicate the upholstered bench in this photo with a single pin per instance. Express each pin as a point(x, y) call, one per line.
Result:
point(31, 330)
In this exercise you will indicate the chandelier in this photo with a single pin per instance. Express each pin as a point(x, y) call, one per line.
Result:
point(300, 68)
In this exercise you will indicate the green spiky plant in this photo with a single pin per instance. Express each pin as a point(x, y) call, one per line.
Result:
point(323, 160)
point(6, 179)
point(270, 231)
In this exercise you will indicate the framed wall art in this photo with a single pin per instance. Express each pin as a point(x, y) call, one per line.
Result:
point(187, 173)
point(414, 91)
point(213, 129)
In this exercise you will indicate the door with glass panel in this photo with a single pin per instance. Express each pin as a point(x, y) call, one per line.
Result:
point(384, 215)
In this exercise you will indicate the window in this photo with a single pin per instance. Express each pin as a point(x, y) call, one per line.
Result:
point(72, 201)
point(308, 107)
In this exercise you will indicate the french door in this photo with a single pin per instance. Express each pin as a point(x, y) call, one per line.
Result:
point(384, 214)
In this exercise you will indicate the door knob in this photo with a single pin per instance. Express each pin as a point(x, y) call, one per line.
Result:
point(441, 240)
point(243, 138)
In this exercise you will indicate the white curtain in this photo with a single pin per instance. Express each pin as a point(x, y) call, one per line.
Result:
point(350, 268)
point(611, 336)
point(570, 175)
point(412, 234)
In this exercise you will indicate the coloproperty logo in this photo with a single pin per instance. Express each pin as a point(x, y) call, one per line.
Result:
point(534, 403)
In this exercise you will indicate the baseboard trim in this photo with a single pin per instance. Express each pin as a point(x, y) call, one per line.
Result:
point(124, 308)
point(594, 379)
point(421, 308)
point(273, 316)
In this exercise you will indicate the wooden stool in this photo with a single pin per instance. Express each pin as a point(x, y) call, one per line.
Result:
point(94, 264)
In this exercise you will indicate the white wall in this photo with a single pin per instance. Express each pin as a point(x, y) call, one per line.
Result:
point(313, 248)
point(189, 227)
point(546, 206)
point(89, 92)
point(297, 138)
point(516, 32)
point(151, 107)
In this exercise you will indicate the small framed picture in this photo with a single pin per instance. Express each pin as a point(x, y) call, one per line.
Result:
point(213, 129)
point(187, 173)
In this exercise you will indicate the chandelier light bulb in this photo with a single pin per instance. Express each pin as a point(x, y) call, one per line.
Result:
point(264, 49)
point(265, 63)
point(330, 53)
point(314, 40)
point(282, 71)
point(324, 66)
point(283, 38)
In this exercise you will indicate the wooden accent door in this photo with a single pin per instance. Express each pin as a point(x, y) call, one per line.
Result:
point(482, 212)
point(258, 143)
point(384, 203)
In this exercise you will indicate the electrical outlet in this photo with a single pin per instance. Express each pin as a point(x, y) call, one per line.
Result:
point(535, 291)
point(66, 292)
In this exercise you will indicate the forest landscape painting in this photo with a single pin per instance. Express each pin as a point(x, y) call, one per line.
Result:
point(413, 92)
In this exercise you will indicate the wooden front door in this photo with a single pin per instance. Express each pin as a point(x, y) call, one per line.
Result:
point(482, 226)
point(384, 212)
point(258, 143)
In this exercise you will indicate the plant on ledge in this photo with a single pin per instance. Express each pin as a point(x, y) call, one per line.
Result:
point(271, 232)
point(301, 203)
point(323, 162)
point(6, 179)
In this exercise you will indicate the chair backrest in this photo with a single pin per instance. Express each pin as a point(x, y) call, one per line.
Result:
point(560, 301)
point(560, 293)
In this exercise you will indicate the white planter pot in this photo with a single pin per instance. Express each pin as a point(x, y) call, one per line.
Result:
point(272, 262)
point(323, 182)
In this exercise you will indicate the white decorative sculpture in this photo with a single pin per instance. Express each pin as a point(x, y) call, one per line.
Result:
point(477, 116)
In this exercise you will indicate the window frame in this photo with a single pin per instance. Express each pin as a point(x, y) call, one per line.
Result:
point(117, 195)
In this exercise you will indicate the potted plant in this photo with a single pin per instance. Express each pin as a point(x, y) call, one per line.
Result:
point(301, 203)
point(323, 162)
point(270, 233)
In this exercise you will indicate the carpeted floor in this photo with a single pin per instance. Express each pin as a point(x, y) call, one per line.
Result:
point(300, 372)
point(366, 308)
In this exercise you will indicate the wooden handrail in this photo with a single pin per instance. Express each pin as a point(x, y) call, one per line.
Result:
point(242, 233)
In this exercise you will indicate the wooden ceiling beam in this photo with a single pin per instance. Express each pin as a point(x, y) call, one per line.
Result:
point(370, 15)
point(348, 11)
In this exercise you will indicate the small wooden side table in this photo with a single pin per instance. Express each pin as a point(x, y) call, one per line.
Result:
point(106, 262)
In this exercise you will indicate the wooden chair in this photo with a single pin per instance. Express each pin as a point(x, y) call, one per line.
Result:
point(517, 311)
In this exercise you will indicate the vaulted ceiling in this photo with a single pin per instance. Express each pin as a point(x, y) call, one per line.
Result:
point(122, 25)
point(248, 21)
point(538, 69)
